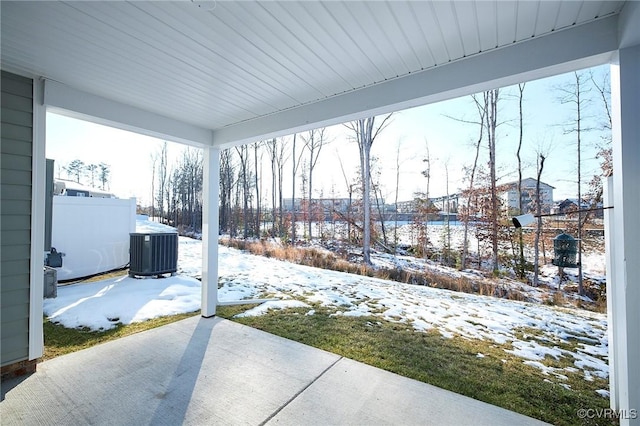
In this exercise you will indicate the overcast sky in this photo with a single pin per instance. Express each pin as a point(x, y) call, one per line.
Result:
point(450, 143)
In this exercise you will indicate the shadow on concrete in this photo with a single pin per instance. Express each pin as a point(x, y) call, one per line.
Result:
point(8, 385)
point(175, 400)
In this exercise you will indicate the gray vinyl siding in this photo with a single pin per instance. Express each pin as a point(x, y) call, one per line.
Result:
point(15, 215)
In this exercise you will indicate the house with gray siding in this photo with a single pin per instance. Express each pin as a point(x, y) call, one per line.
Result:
point(16, 193)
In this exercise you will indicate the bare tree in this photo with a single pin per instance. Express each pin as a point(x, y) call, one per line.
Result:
point(539, 227)
point(472, 174)
point(491, 122)
point(377, 192)
point(162, 176)
point(576, 94)
point(446, 237)
point(349, 187)
point(257, 181)
point(427, 174)
point(243, 154)
point(227, 172)
point(280, 161)
point(154, 162)
point(521, 263)
point(395, 225)
point(604, 154)
point(366, 132)
point(314, 140)
point(294, 169)
point(275, 148)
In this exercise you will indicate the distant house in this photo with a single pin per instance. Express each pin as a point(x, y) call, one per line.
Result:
point(571, 204)
point(509, 196)
point(565, 206)
point(72, 188)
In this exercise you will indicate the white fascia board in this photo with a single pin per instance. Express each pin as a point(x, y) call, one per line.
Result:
point(556, 53)
point(66, 100)
point(38, 185)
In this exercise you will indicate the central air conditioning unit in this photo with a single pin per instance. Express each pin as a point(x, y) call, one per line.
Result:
point(153, 254)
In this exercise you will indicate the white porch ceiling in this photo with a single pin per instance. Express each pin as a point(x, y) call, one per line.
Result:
point(233, 66)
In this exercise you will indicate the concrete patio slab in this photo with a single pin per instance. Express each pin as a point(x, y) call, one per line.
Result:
point(213, 371)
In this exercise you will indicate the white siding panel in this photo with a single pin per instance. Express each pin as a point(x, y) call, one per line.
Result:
point(168, 50)
point(320, 51)
point(467, 25)
point(486, 25)
point(527, 17)
point(448, 27)
point(260, 34)
point(506, 22)
point(568, 13)
point(357, 23)
point(409, 27)
point(432, 33)
point(547, 16)
point(91, 57)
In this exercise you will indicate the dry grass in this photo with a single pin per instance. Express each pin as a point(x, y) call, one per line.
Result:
point(314, 257)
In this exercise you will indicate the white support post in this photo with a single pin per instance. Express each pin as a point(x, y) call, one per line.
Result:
point(609, 246)
point(625, 101)
point(38, 184)
point(210, 212)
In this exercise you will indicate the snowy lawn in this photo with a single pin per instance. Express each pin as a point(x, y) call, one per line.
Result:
point(558, 341)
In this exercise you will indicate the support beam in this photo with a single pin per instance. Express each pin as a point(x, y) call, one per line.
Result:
point(210, 213)
point(556, 53)
point(65, 100)
point(38, 184)
point(625, 100)
point(612, 300)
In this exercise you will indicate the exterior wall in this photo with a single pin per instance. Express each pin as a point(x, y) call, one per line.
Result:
point(15, 211)
point(510, 196)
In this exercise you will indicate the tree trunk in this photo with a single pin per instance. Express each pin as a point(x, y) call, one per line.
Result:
point(465, 245)
point(492, 117)
point(293, 192)
point(365, 163)
point(521, 268)
point(579, 134)
point(539, 225)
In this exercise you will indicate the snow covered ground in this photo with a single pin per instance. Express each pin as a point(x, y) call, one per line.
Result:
point(103, 304)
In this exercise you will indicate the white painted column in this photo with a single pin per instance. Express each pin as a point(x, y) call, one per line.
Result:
point(625, 100)
point(210, 212)
point(38, 185)
point(609, 246)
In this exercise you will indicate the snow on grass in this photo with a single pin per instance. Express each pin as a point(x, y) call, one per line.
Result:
point(272, 305)
point(102, 304)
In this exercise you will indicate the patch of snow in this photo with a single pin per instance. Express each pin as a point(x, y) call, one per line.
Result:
point(533, 351)
point(275, 305)
point(603, 393)
point(103, 304)
point(146, 226)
